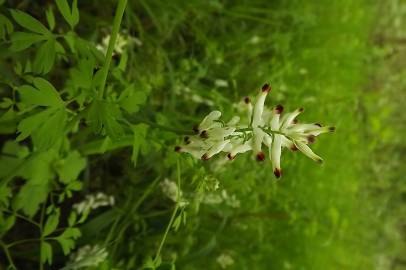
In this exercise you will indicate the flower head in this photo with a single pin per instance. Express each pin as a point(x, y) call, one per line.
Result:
point(262, 126)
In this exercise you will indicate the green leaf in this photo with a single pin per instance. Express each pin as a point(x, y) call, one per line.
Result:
point(13, 156)
point(38, 172)
point(51, 224)
point(72, 218)
point(28, 22)
point(103, 118)
point(45, 57)
point(73, 164)
point(130, 99)
point(23, 40)
point(29, 124)
point(66, 239)
point(71, 16)
point(46, 252)
point(82, 76)
point(44, 94)
point(6, 27)
point(50, 17)
point(51, 131)
point(140, 132)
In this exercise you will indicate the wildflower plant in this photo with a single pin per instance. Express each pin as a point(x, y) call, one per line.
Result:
point(260, 126)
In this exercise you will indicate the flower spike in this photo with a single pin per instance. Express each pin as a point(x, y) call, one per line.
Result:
point(259, 126)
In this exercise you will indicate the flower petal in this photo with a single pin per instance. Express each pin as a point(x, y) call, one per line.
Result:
point(259, 108)
point(209, 120)
point(307, 151)
point(215, 149)
point(276, 151)
point(289, 118)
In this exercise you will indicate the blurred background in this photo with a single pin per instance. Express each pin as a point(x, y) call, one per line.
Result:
point(344, 61)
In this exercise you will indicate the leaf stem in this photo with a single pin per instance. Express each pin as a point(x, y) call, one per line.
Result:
point(113, 38)
point(172, 217)
point(8, 255)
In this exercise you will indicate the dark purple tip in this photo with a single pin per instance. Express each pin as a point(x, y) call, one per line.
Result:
point(331, 129)
point(204, 134)
point(295, 121)
point(178, 149)
point(266, 88)
point(311, 139)
point(318, 124)
point(277, 172)
point(261, 156)
point(279, 109)
point(293, 148)
point(205, 157)
point(301, 109)
point(230, 157)
point(247, 100)
point(186, 139)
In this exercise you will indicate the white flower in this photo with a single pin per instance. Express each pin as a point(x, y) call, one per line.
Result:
point(122, 41)
point(170, 189)
point(261, 126)
point(93, 201)
point(86, 256)
point(225, 260)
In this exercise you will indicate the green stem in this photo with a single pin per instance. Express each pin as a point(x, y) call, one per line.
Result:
point(8, 255)
point(41, 223)
point(172, 217)
point(22, 242)
point(113, 38)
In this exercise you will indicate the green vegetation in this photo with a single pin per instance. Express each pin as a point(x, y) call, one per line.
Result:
point(93, 105)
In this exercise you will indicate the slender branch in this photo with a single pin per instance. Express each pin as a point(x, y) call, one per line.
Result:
point(22, 242)
point(8, 255)
point(113, 38)
point(172, 217)
point(21, 217)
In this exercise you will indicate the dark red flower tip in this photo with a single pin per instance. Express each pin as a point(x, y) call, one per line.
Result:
point(204, 134)
point(247, 100)
point(205, 157)
point(311, 139)
point(230, 157)
point(266, 87)
point(301, 109)
point(332, 129)
point(279, 109)
point(261, 156)
point(178, 149)
point(318, 124)
point(295, 121)
point(293, 148)
point(277, 172)
point(196, 129)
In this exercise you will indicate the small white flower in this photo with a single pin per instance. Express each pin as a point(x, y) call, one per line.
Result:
point(225, 260)
point(171, 190)
point(221, 83)
point(121, 42)
point(93, 201)
point(86, 256)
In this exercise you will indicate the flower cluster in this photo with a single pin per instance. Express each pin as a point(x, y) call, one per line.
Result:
point(171, 190)
point(87, 256)
point(261, 126)
point(93, 201)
